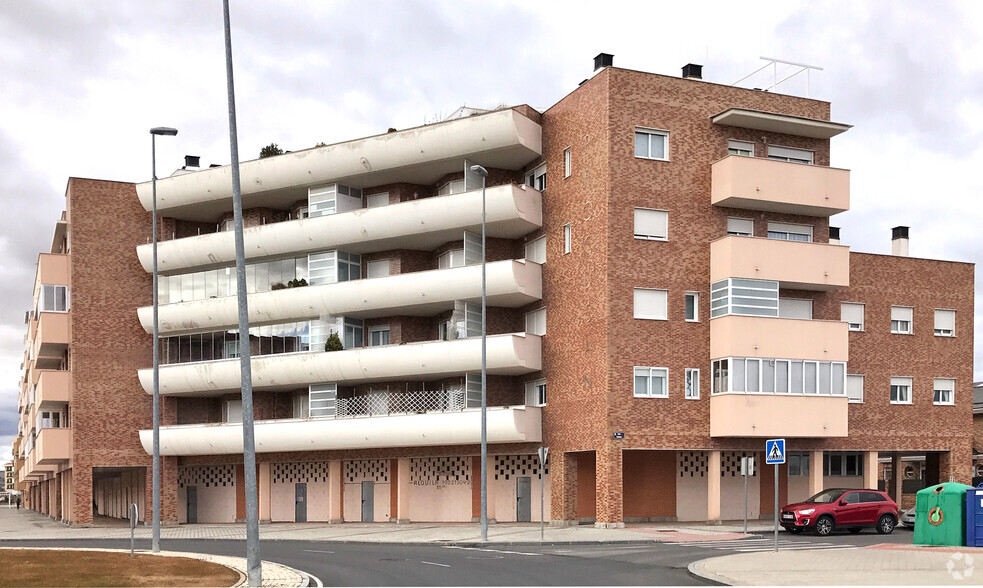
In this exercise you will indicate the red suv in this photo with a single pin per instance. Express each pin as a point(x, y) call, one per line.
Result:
point(845, 508)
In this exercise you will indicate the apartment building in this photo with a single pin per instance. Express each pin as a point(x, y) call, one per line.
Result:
point(665, 292)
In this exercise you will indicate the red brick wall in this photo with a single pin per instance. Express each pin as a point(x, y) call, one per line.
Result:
point(649, 483)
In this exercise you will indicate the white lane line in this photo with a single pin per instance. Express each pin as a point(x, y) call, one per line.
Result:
point(492, 550)
point(431, 563)
point(791, 548)
point(316, 551)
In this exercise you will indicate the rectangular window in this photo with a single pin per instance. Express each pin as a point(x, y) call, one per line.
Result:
point(789, 232)
point(742, 227)
point(855, 388)
point(652, 144)
point(378, 268)
point(693, 306)
point(692, 384)
point(901, 320)
point(472, 248)
point(945, 323)
point(795, 308)
point(379, 335)
point(323, 400)
point(377, 200)
point(798, 464)
point(449, 259)
point(537, 178)
point(742, 148)
point(744, 297)
point(536, 393)
point(567, 163)
point(853, 314)
point(354, 333)
point(567, 238)
point(349, 266)
point(536, 250)
point(452, 187)
point(302, 406)
point(900, 390)
point(944, 391)
point(651, 382)
point(720, 380)
point(536, 322)
point(651, 304)
point(651, 224)
point(232, 411)
point(790, 155)
point(54, 298)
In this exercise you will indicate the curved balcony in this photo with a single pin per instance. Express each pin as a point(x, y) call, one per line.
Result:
point(511, 212)
point(505, 425)
point(508, 355)
point(757, 183)
point(793, 264)
point(501, 139)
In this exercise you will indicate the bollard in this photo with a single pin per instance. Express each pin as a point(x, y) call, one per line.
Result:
point(134, 514)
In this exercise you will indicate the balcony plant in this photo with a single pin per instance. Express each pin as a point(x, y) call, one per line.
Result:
point(333, 343)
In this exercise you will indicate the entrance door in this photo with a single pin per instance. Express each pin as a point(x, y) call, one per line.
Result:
point(523, 499)
point(192, 504)
point(368, 502)
point(300, 503)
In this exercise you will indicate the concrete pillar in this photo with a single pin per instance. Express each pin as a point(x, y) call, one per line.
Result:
point(402, 513)
point(933, 471)
point(815, 472)
point(563, 489)
point(610, 489)
point(491, 488)
point(713, 487)
point(897, 475)
point(335, 496)
point(870, 470)
point(264, 481)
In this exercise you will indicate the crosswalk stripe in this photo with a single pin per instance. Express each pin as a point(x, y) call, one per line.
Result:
point(800, 547)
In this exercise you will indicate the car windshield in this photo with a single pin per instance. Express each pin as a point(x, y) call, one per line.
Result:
point(825, 497)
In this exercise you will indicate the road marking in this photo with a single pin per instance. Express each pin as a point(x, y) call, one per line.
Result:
point(316, 551)
point(431, 563)
point(492, 550)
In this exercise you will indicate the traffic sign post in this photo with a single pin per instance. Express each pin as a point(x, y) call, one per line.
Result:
point(775, 455)
point(543, 455)
point(747, 470)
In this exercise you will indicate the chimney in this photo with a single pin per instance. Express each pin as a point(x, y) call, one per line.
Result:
point(603, 60)
point(899, 241)
point(834, 235)
point(192, 161)
point(692, 71)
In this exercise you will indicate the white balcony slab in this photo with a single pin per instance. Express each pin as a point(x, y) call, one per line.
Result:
point(509, 355)
point(511, 284)
point(503, 139)
point(521, 424)
point(512, 211)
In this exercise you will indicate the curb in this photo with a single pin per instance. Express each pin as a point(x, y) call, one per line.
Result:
point(697, 570)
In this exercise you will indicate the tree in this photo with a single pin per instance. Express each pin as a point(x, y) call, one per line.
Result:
point(270, 150)
point(333, 343)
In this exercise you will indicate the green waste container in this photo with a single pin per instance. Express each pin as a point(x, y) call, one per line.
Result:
point(940, 515)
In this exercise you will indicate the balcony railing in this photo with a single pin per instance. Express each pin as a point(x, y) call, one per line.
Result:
point(384, 403)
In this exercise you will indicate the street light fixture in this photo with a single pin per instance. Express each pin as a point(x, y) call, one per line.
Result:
point(155, 541)
point(484, 365)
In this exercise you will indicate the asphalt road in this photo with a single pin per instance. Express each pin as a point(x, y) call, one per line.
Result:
point(360, 564)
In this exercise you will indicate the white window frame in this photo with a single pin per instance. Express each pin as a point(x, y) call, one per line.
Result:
point(788, 306)
point(639, 234)
point(536, 317)
point(696, 306)
point(863, 311)
point(567, 238)
point(53, 288)
point(649, 133)
point(452, 187)
point(639, 311)
point(567, 163)
point(740, 233)
point(943, 332)
point(855, 399)
point(784, 232)
point(902, 383)
point(379, 329)
point(372, 267)
point(650, 373)
point(536, 179)
point(536, 250)
point(791, 154)
point(897, 329)
point(691, 384)
point(450, 259)
point(536, 393)
point(736, 147)
point(940, 399)
point(376, 200)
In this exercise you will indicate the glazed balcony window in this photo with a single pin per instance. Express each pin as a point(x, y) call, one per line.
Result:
point(53, 299)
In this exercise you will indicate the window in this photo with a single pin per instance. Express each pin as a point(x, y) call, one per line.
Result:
point(567, 163)
point(537, 178)
point(692, 391)
point(232, 411)
point(651, 382)
point(787, 232)
point(853, 314)
point(901, 320)
point(536, 322)
point(743, 227)
point(651, 224)
point(721, 376)
point(379, 335)
point(301, 212)
point(354, 332)
point(844, 464)
point(536, 250)
point(652, 144)
point(230, 349)
point(226, 225)
point(945, 323)
point(536, 393)
point(944, 391)
point(54, 298)
point(651, 304)
point(744, 297)
point(779, 376)
point(692, 306)
point(452, 258)
point(349, 266)
point(301, 406)
point(377, 200)
point(855, 388)
point(795, 308)
point(378, 268)
point(742, 148)
point(798, 464)
point(900, 390)
point(790, 155)
point(871, 497)
point(452, 187)
point(567, 238)
point(323, 400)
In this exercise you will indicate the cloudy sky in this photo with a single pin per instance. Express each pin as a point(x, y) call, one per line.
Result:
point(82, 82)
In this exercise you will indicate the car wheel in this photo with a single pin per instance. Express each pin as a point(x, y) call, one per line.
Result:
point(855, 530)
point(794, 530)
point(824, 525)
point(885, 524)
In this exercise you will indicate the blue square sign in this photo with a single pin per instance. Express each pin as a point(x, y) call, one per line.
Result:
point(774, 451)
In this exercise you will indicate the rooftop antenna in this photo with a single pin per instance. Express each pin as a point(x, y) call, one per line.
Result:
point(774, 65)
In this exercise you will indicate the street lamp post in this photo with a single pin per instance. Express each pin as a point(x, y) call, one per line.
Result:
point(155, 541)
point(484, 364)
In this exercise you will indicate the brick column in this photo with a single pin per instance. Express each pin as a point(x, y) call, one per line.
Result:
point(897, 475)
point(870, 470)
point(335, 497)
point(563, 489)
point(713, 487)
point(402, 513)
point(610, 489)
point(815, 472)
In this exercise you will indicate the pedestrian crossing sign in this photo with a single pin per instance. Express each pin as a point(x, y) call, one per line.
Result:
point(774, 451)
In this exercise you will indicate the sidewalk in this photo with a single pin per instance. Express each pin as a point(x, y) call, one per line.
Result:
point(879, 565)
